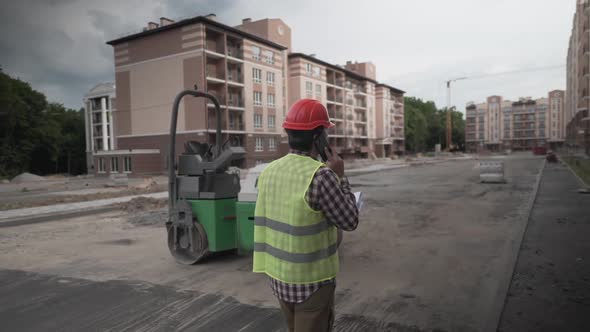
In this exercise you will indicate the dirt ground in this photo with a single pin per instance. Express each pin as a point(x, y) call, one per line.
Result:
point(433, 252)
point(49, 195)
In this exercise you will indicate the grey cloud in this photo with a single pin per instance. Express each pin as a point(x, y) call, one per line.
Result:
point(59, 45)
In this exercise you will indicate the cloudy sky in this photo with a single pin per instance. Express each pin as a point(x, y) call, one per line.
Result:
point(59, 45)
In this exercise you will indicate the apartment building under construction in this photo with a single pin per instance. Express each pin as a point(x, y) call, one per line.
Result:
point(499, 124)
point(578, 80)
point(255, 76)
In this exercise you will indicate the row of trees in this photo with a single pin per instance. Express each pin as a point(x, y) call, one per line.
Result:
point(425, 126)
point(38, 136)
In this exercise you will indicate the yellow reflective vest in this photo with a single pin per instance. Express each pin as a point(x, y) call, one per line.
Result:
point(292, 242)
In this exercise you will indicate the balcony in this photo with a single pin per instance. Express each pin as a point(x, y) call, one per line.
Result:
point(235, 79)
point(97, 106)
point(362, 132)
point(96, 119)
point(336, 115)
point(524, 119)
point(235, 101)
point(97, 133)
point(236, 125)
point(336, 131)
point(235, 51)
point(212, 123)
point(214, 74)
point(335, 99)
point(220, 98)
point(214, 43)
point(360, 103)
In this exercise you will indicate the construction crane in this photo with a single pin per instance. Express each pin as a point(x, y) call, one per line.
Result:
point(449, 103)
point(449, 112)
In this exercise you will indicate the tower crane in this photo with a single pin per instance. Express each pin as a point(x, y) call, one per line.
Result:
point(449, 112)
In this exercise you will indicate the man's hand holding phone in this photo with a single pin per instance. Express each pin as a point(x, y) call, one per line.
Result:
point(334, 162)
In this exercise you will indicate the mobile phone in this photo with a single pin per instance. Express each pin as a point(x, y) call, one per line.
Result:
point(321, 143)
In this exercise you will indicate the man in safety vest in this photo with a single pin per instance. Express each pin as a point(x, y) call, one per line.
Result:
point(300, 207)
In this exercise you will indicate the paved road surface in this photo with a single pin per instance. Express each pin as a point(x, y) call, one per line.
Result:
point(550, 290)
point(432, 252)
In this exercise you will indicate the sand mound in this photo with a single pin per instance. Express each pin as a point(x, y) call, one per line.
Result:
point(26, 177)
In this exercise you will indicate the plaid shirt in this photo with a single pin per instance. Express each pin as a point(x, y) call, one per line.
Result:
point(333, 197)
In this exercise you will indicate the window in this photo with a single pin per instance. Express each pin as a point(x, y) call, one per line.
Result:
point(270, 100)
point(259, 144)
point(271, 121)
point(257, 98)
point(308, 68)
point(308, 88)
point(257, 120)
point(270, 78)
point(127, 164)
point(257, 75)
point(272, 144)
point(114, 165)
point(317, 71)
point(269, 56)
point(318, 91)
point(101, 165)
point(256, 53)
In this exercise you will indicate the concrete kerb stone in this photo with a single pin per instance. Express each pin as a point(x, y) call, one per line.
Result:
point(502, 293)
point(61, 211)
point(47, 217)
point(363, 171)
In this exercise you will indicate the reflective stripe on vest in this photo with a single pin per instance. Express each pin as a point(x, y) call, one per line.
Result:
point(291, 230)
point(292, 242)
point(297, 258)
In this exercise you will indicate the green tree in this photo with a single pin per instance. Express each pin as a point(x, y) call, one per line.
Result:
point(426, 126)
point(37, 136)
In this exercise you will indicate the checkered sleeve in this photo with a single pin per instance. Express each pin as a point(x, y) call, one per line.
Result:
point(334, 198)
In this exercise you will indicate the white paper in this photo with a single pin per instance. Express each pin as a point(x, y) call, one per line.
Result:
point(358, 196)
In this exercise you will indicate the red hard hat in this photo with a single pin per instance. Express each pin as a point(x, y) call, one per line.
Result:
point(307, 114)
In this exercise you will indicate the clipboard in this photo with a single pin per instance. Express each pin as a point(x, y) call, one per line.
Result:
point(359, 198)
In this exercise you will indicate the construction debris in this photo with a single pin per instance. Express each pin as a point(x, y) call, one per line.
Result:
point(491, 171)
point(146, 211)
point(147, 183)
point(141, 204)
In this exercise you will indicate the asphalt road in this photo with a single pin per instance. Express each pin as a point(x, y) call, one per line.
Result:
point(550, 290)
point(434, 252)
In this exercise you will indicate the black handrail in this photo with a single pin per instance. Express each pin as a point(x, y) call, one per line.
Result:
point(172, 145)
